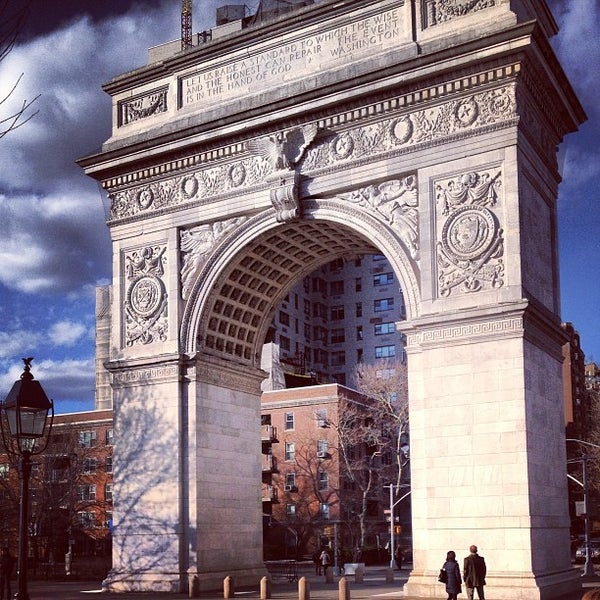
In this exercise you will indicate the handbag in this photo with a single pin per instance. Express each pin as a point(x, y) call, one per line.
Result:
point(443, 576)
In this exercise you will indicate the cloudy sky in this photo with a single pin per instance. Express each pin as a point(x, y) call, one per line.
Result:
point(54, 245)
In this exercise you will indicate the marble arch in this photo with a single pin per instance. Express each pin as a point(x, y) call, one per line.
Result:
point(426, 130)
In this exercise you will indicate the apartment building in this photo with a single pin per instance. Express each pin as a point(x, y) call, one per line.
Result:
point(342, 314)
point(71, 494)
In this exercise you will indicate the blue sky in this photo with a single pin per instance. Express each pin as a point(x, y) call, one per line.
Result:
point(54, 244)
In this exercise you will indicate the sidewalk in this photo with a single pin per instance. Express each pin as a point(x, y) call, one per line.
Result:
point(374, 587)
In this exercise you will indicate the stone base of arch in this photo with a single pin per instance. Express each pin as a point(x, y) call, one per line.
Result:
point(524, 585)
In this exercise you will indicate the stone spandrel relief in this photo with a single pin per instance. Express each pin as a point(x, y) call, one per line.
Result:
point(395, 202)
point(145, 296)
point(196, 244)
point(470, 240)
point(442, 11)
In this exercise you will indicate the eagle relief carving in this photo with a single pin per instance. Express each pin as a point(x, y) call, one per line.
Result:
point(283, 151)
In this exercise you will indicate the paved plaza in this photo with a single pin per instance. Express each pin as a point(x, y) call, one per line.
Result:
point(374, 587)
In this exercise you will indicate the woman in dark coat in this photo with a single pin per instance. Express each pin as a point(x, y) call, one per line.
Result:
point(453, 586)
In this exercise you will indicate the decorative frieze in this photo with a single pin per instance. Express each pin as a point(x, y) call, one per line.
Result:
point(302, 150)
point(470, 247)
point(465, 332)
point(145, 296)
point(395, 202)
point(197, 243)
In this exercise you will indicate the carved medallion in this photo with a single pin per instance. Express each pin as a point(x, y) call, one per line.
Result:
point(189, 187)
point(145, 198)
point(469, 232)
point(402, 130)
point(342, 146)
point(466, 112)
point(145, 295)
point(237, 174)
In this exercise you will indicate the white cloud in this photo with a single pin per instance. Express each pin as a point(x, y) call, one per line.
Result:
point(66, 333)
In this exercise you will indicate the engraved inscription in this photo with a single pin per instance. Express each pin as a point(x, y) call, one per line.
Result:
point(290, 61)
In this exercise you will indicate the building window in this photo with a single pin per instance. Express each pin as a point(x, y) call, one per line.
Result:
point(108, 464)
point(385, 328)
point(322, 449)
point(87, 439)
point(359, 333)
point(290, 510)
point(338, 358)
point(307, 308)
point(321, 416)
point(108, 492)
point(338, 336)
point(289, 420)
point(358, 262)
point(337, 313)
point(336, 265)
point(383, 279)
point(359, 354)
point(290, 451)
point(358, 284)
point(89, 466)
point(358, 311)
point(109, 437)
point(378, 257)
point(385, 351)
point(87, 492)
point(307, 336)
point(324, 510)
point(339, 378)
point(290, 482)
point(284, 342)
point(323, 483)
point(284, 318)
point(87, 520)
point(336, 288)
point(383, 304)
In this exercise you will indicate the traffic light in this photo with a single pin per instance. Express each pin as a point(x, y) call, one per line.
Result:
point(397, 529)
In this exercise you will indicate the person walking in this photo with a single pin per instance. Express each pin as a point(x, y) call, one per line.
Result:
point(474, 571)
point(325, 560)
point(453, 583)
point(7, 563)
point(317, 561)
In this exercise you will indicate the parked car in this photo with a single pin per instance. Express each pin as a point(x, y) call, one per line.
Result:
point(580, 553)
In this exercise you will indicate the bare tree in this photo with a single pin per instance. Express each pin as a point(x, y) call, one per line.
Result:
point(12, 19)
point(386, 384)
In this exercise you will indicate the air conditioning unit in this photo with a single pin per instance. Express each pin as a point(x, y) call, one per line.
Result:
point(289, 488)
point(322, 454)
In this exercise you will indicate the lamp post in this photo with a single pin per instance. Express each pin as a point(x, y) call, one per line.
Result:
point(393, 487)
point(588, 570)
point(23, 423)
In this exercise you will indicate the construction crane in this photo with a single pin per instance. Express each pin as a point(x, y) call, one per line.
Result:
point(186, 24)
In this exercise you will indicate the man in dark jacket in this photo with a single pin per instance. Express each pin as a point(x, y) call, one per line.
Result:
point(474, 571)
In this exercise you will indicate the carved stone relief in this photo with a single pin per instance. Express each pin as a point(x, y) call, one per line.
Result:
point(145, 296)
point(442, 11)
point(396, 203)
point(143, 106)
point(470, 240)
point(427, 126)
point(283, 151)
point(196, 244)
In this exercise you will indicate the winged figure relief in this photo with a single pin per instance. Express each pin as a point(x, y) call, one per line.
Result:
point(283, 150)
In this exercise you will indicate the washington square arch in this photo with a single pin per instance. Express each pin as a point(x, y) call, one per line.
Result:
point(424, 130)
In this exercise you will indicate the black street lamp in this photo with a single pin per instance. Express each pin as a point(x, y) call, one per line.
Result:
point(23, 423)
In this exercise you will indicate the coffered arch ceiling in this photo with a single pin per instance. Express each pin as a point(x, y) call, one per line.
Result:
point(239, 297)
